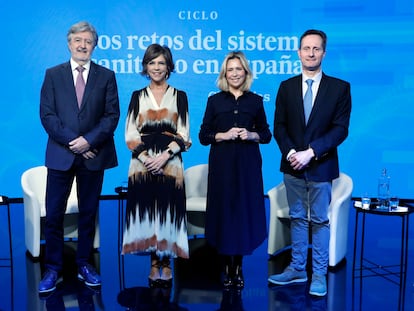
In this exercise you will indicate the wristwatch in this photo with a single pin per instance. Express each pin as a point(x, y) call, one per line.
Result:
point(170, 152)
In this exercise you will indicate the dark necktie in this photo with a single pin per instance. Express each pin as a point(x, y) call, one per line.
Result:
point(307, 100)
point(80, 85)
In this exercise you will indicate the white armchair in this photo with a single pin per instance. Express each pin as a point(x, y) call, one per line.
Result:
point(195, 179)
point(279, 226)
point(33, 182)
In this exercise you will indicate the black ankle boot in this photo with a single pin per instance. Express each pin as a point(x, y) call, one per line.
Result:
point(227, 277)
point(228, 272)
point(238, 278)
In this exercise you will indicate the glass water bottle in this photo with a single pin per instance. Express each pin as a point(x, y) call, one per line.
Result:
point(383, 189)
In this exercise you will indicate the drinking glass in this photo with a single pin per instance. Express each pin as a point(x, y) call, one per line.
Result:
point(366, 201)
point(394, 201)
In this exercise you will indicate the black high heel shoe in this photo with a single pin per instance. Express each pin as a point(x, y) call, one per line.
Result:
point(165, 283)
point(154, 283)
point(238, 278)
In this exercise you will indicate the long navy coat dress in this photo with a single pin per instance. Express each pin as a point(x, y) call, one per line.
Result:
point(235, 217)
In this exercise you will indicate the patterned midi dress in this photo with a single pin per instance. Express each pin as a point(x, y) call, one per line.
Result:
point(156, 210)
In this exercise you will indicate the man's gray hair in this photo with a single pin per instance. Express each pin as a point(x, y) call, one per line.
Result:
point(82, 27)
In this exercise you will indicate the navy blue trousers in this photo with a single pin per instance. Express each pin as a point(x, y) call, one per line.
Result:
point(89, 187)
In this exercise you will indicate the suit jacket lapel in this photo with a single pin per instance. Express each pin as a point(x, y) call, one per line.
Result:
point(67, 77)
point(299, 98)
point(317, 105)
point(90, 83)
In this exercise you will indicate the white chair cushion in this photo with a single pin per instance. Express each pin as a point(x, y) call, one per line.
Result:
point(196, 204)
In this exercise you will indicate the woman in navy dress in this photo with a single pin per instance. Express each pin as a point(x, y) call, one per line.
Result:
point(234, 125)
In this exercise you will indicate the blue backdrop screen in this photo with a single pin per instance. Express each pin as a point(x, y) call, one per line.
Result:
point(369, 45)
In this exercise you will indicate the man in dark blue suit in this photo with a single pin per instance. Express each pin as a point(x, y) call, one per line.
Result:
point(80, 123)
point(308, 140)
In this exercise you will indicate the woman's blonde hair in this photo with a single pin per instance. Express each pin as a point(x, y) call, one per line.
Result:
point(222, 83)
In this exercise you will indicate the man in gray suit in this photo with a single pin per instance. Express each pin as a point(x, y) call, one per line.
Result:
point(308, 127)
point(79, 109)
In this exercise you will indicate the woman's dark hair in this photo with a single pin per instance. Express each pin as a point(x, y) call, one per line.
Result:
point(153, 51)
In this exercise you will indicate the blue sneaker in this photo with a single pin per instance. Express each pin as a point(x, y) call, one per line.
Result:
point(318, 285)
point(288, 276)
point(48, 282)
point(89, 275)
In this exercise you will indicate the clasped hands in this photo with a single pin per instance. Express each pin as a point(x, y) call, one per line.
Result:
point(81, 146)
point(301, 159)
point(155, 164)
point(242, 133)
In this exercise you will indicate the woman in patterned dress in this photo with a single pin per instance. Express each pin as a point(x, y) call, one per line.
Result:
point(234, 125)
point(156, 132)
